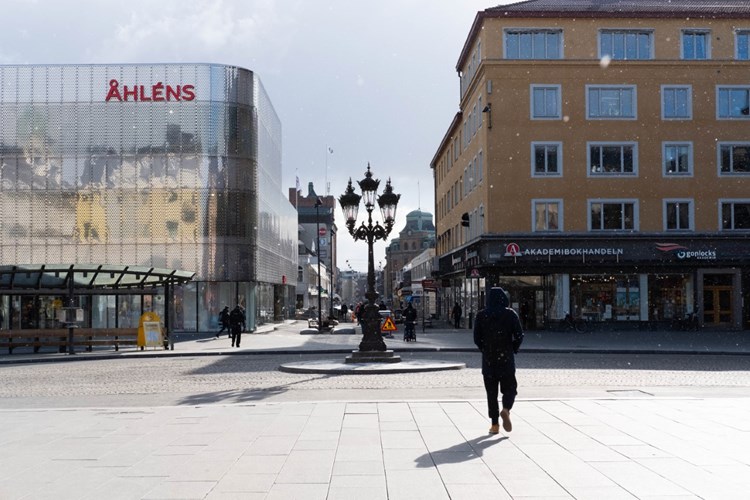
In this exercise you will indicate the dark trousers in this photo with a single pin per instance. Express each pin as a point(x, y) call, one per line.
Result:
point(224, 326)
point(508, 387)
point(457, 322)
point(236, 334)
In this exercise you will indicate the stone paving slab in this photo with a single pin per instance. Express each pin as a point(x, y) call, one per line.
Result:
point(566, 448)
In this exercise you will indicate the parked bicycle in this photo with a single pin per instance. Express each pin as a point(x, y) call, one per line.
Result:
point(687, 323)
point(570, 323)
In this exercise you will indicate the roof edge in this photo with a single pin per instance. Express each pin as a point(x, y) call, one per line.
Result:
point(451, 128)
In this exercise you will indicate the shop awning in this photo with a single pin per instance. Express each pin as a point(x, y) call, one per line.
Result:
point(88, 276)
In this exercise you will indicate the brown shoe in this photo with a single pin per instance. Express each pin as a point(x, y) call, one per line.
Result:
point(495, 429)
point(505, 415)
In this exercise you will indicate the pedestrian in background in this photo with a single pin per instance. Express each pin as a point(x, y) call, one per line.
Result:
point(498, 334)
point(236, 321)
point(359, 312)
point(224, 321)
point(457, 315)
point(344, 319)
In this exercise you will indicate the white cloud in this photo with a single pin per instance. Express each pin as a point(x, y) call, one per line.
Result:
point(197, 31)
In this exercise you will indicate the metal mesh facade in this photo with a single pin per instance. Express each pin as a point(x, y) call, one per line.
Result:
point(173, 166)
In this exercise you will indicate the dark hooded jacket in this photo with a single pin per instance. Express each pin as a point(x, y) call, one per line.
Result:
point(497, 333)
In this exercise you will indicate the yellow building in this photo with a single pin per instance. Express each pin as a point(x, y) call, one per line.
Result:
point(600, 163)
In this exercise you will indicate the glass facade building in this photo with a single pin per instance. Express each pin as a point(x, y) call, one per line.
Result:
point(174, 166)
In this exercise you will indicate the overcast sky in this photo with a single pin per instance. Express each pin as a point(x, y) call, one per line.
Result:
point(374, 81)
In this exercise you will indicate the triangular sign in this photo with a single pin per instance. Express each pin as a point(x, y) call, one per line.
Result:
point(388, 325)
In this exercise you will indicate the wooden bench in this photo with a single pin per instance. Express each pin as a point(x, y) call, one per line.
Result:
point(58, 337)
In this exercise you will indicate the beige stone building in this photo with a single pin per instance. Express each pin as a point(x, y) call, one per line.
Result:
point(600, 162)
point(417, 235)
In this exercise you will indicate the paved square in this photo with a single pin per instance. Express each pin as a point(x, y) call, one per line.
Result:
point(574, 448)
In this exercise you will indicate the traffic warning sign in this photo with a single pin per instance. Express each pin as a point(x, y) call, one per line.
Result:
point(388, 325)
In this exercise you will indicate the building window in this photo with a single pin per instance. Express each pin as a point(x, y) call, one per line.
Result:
point(734, 159)
point(479, 117)
point(678, 215)
point(676, 102)
point(678, 159)
point(625, 44)
point(735, 215)
point(613, 215)
point(533, 44)
point(547, 215)
point(611, 102)
point(545, 102)
point(607, 159)
point(743, 45)
point(733, 102)
point(546, 159)
point(480, 166)
point(696, 44)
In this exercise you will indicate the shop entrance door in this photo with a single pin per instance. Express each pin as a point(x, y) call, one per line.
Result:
point(717, 305)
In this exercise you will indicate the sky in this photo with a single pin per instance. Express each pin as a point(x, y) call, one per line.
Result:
point(373, 82)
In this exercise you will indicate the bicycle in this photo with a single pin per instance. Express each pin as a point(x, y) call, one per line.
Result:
point(580, 325)
point(687, 323)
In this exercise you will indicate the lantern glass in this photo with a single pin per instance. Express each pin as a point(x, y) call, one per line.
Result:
point(350, 212)
point(369, 187)
point(388, 202)
point(349, 202)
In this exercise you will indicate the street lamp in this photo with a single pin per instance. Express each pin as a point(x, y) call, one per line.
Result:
point(372, 341)
point(330, 271)
point(318, 203)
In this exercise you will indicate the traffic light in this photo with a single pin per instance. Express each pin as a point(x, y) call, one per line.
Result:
point(465, 219)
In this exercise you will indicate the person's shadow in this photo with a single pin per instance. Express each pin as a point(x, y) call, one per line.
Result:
point(462, 452)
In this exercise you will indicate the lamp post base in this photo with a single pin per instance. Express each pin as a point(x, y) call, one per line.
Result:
point(372, 340)
point(373, 357)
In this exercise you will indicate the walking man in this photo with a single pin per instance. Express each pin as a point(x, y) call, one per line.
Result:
point(224, 320)
point(498, 334)
point(236, 321)
point(456, 315)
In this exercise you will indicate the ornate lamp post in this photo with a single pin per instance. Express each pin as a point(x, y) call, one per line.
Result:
point(331, 286)
point(318, 203)
point(372, 342)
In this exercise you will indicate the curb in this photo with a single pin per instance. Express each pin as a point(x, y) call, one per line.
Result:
point(297, 352)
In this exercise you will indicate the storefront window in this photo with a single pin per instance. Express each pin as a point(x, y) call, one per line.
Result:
point(186, 313)
point(606, 298)
point(526, 298)
point(667, 296)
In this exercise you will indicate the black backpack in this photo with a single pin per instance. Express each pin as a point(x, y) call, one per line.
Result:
point(236, 316)
point(497, 341)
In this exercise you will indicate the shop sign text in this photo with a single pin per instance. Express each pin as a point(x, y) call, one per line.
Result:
point(698, 254)
point(150, 93)
point(514, 250)
point(684, 253)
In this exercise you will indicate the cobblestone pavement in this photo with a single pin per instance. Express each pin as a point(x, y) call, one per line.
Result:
point(233, 379)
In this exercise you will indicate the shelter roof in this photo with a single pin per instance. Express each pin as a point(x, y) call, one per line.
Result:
point(89, 276)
